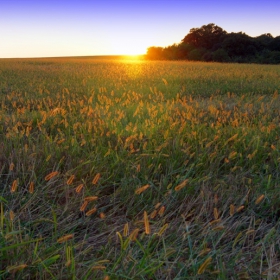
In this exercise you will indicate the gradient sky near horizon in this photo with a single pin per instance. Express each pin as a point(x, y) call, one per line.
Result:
point(51, 28)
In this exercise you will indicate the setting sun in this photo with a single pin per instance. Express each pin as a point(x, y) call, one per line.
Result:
point(126, 47)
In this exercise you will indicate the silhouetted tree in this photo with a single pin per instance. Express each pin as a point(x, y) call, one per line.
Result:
point(274, 45)
point(170, 52)
point(205, 37)
point(238, 45)
point(263, 41)
point(196, 54)
point(211, 43)
point(220, 55)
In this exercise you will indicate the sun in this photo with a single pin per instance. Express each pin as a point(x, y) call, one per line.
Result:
point(128, 48)
point(130, 51)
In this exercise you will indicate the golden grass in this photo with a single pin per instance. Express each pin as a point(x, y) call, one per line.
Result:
point(188, 154)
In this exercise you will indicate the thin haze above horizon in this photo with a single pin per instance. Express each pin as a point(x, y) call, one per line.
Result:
point(51, 28)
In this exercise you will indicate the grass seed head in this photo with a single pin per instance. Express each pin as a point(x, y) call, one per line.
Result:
point(181, 185)
point(14, 186)
point(16, 268)
point(216, 213)
point(259, 199)
point(12, 215)
point(91, 198)
point(240, 208)
point(102, 215)
point(146, 223)
point(125, 230)
point(96, 179)
point(203, 267)
point(134, 234)
point(91, 211)
point(162, 230)
point(70, 180)
point(84, 205)
point(98, 267)
point(161, 211)
point(12, 166)
point(65, 238)
point(51, 175)
point(153, 214)
point(231, 209)
point(79, 188)
point(31, 187)
point(142, 189)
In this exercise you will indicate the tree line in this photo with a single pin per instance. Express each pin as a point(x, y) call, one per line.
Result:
point(211, 43)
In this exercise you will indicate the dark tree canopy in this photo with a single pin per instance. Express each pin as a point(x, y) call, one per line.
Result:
point(211, 43)
point(204, 37)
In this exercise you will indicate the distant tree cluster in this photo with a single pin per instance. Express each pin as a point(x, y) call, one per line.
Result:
point(211, 43)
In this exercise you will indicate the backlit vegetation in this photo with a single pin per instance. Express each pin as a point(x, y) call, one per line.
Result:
point(138, 170)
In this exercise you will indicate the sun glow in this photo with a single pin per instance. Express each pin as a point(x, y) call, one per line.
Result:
point(129, 51)
point(133, 58)
point(128, 48)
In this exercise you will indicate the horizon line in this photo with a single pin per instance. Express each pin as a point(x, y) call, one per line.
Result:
point(77, 56)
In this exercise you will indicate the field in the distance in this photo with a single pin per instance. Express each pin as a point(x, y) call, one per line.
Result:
point(123, 169)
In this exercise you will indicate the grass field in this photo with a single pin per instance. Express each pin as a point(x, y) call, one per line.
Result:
point(125, 169)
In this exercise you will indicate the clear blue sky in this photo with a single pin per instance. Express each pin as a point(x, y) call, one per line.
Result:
point(31, 28)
